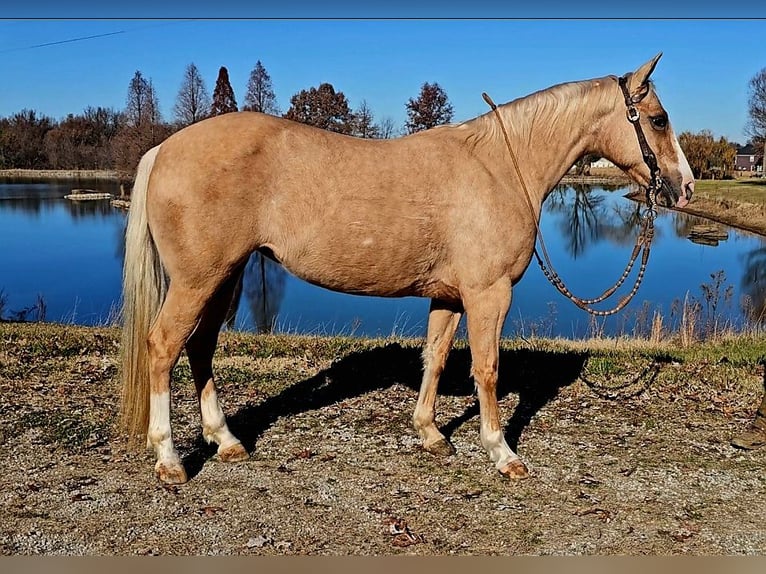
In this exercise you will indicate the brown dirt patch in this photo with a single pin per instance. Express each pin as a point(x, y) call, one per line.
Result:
point(337, 469)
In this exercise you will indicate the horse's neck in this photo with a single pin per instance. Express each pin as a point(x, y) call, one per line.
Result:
point(548, 140)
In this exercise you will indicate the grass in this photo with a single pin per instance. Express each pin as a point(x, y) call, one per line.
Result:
point(47, 342)
point(746, 190)
point(737, 202)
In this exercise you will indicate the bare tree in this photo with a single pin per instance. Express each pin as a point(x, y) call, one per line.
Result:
point(223, 95)
point(386, 128)
point(144, 127)
point(364, 126)
point(756, 126)
point(21, 140)
point(260, 93)
point(431, 108)
point(142, 104)
point(193, 99)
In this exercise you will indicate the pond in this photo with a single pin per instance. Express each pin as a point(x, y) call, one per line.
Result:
point(63, 260)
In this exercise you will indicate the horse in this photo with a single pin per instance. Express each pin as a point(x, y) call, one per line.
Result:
point(439, 213)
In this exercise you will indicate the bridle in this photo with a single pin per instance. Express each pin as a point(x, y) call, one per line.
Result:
point(645, 236)
point(655, 179)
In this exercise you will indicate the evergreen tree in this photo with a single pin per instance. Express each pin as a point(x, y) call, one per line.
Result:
point(143, 129)
point(223, 95)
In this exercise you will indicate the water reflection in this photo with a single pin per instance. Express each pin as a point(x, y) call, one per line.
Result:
point(587, 216)
point(34, 198)
point(263, 286)
point(753, 285)
point(72, 253)
point(589, 224)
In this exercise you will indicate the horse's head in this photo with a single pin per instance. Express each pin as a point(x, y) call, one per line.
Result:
point(641, 136)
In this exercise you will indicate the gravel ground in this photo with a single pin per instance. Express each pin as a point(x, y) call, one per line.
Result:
point(336, 467)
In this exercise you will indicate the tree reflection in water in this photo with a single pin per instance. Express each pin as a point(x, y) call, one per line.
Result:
point(263, 285)
point(754, 286)
point(586, 218)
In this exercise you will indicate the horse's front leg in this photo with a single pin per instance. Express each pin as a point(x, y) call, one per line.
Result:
point(443, 319)
point(485, 312)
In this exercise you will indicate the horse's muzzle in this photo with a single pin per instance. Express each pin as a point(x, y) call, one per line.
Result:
point(667, 196)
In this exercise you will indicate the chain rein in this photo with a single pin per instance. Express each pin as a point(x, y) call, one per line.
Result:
point(643, 241)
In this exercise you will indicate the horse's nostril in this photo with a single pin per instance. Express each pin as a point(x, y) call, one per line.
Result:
point(689, 189)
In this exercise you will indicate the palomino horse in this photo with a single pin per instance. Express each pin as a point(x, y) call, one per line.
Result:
point(439, 214)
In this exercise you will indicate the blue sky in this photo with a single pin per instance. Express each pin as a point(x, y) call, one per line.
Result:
point(702, 77)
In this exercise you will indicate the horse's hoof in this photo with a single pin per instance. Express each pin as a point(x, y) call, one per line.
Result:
point(515, 470)
point(234, 453)
point(174, 474)
point(441, 447)
point(752, 438)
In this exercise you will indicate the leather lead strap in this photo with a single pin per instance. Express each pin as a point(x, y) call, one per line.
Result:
point(643, 241)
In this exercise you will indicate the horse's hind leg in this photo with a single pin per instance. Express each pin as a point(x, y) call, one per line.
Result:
point(200, 349)
point(443, 320)
point(175, 322)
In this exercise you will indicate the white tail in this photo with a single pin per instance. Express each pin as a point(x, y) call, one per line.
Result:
point(144, 289)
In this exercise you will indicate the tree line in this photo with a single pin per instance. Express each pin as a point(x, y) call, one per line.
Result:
point(709, 158)
point(108, 139)
point(714, 158)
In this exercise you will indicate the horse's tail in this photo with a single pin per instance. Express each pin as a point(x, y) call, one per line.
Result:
point(144, 288)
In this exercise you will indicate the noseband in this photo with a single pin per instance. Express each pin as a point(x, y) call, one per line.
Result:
point(655, 181)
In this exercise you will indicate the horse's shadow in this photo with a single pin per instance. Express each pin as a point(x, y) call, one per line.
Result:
point(536, 376)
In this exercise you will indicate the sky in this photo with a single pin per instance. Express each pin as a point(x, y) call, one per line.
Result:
point(59, 63)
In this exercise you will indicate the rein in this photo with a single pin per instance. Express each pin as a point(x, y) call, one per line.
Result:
point(645, 236)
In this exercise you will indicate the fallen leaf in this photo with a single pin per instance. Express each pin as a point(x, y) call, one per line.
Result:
point(210, 510)
point(401, 532)
point(589, 480)
point(602, 514)
point(469, 494)
point(305, 453)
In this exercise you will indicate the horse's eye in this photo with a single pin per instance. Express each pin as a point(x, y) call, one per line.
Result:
point(659, 122)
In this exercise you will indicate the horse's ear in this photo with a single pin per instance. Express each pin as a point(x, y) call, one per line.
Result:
point(638, 83)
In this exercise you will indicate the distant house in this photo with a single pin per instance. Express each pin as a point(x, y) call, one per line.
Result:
point(602, 162)
point(749, 158)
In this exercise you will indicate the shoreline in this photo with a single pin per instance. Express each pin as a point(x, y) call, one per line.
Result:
point(68, 174)
point(733, 219)
point(696, 208)
point(593, 179)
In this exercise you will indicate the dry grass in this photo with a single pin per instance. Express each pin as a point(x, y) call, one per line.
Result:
point(627, 441)
point(740, 203)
